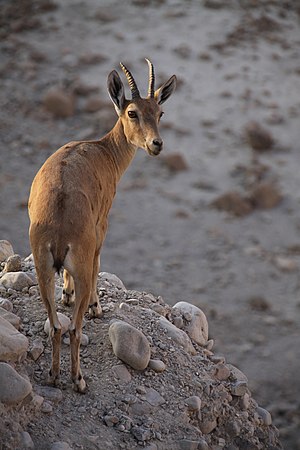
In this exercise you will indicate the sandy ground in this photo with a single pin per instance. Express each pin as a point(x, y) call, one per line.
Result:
point(236, 62)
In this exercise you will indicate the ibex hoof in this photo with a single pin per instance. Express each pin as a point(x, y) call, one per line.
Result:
point(79, 385)
point(53, 378)
point(67, 298)
point(95, 310)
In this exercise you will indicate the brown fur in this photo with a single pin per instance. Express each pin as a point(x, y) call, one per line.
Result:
point(69, 202)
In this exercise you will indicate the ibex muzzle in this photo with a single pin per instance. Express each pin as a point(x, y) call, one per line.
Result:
point(69, 202)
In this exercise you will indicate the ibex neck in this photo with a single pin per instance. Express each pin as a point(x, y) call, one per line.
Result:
point(120, 149)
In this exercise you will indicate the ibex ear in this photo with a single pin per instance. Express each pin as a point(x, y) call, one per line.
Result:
point(116, 91)
point(163, 93)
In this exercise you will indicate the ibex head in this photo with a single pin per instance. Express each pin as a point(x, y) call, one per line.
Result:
point(140, 116)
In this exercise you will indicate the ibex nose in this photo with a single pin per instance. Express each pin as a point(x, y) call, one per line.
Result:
point(158, 143)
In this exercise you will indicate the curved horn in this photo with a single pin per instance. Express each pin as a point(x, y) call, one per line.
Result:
point(132, 84)
point(151, 79)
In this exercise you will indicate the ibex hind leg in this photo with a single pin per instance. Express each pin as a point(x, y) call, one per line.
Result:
point(45, 273)
point(95, 309)
point(82, 289)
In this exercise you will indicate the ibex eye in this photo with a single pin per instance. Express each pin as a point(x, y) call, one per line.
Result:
point(132, 114)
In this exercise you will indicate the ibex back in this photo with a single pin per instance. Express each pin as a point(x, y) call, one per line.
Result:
point(69, 202)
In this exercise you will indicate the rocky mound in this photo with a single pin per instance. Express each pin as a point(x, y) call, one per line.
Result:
point(154, 381)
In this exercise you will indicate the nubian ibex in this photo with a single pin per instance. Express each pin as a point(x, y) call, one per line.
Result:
point(69, 202)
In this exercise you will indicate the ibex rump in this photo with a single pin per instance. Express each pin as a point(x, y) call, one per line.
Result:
point(69, 202)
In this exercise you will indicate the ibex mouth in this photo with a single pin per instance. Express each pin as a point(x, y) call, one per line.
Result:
point(154, 152)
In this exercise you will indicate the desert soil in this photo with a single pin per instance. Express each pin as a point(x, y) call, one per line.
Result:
point(237, 62)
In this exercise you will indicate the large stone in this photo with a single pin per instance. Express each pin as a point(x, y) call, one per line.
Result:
point(177, 335)
point(112, 279)
point(197, 327)
point(26, 440)
point(13, 345)
point(6, 304)
point(130, 345)
point(16, 280)
point(13, 387)
point(37, 349)
point(63, 320)
point(10, 317)
point(54, 395)
point(6, 250)
point(13, 264)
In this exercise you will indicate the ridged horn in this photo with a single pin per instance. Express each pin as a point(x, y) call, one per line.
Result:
point(151, 79)
point(132, 84)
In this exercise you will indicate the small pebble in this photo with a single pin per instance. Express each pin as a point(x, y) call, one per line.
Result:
point(46, 408)
point(157, 365)
point(193, 403)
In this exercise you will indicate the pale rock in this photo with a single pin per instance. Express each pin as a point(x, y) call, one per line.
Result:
point(239, 388)
point(237, 374)
point(157, 365)
point(112, 279)
point(16, 280)
point(130, 345)
point(159, 309)
point(50, 393)
point(10, 317)
point(177, 335)
point(208, 425)
point(46, 408)
point(222, 372)
point(193, 403)
point(6, 250)
point(245, 401)
point(6, 304)
point(13, 264)
point(63, 320)
point(122, 373)
point(197, 327)
point(26, 440)
point(264, 415)
point(37, 401)
point(84, 340)
point(153, 397)
point(13, 345)
point(37, 349)
point(13, 387)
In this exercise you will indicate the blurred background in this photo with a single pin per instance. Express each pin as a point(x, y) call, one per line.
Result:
point(215, 219)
